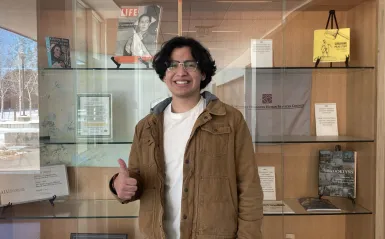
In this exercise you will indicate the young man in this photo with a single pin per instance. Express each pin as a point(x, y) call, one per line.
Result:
point(192, 159)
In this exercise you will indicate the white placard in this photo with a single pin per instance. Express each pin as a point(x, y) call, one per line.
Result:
point(21, 188)
point(261, 53)
point(326, 119)
point(267, 177)
point(276, 207)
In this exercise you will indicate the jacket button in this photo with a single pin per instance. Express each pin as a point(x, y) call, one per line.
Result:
point(186, 190)
point(186, 161)
point(185, 217)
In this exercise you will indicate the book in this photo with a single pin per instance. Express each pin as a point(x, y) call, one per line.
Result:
point(51, 181)
point(337, 173)
point(312, 204)
point(276, 207)
point(58, 52)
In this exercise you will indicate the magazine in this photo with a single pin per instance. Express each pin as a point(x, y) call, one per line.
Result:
point(58, 52)
point(313, 204)
point(138, 28)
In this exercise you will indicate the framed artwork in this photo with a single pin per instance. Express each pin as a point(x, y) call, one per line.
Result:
point(94, 115)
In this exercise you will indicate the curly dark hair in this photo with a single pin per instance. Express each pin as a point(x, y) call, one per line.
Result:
point(205, 62)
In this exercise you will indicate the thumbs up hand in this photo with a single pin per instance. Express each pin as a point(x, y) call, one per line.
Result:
point(124, 185)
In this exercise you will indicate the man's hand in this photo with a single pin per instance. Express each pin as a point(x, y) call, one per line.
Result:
point(125, 186)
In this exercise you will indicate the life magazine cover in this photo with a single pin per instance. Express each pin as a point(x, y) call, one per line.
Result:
point(58, 52)
point(138, 31)
point(337, 173)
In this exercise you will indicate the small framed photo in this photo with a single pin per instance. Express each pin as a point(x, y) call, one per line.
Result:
point(94, 116)
point(98, 236)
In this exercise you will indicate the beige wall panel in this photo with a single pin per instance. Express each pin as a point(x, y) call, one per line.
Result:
point(316, 227)
point(62, 228)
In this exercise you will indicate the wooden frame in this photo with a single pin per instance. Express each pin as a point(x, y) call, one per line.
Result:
point(380, 146)
point(293, 48)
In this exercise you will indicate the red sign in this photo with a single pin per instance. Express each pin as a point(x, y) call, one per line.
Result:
point(129, 12)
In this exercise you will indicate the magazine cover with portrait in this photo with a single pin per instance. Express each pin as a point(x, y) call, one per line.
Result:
point(58, 52)
point(138, 31)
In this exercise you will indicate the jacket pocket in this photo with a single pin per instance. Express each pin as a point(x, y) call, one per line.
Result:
point(148, 151)
point(214, 140)
point(217, 214)
point(146, 212)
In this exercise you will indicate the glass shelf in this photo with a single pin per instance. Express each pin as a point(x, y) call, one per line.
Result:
point(346, 206)
point(258, 140)
point(308, 139)
point(71, 209)
point(99, 69)
point(113, 209)
point(312, 68)
point(85, 142)
point(323, 68)
point(309, 70)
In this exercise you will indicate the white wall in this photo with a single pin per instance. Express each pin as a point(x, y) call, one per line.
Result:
point(19, 16)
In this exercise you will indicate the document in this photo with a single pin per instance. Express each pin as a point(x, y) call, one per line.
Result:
point(267, 177)
point(261, 53)
point(326, 119)
point(21, 188)
point(276, 207)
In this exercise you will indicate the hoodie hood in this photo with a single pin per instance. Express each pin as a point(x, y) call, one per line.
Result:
point(161, 106)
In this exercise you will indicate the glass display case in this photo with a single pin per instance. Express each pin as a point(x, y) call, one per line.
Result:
point(266, 68)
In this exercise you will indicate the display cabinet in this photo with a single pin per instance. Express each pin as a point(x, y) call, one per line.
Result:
point(264, 94)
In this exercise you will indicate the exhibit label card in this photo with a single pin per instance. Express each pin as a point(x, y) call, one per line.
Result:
point(326, 119)
point(276, 207)
point(21, 188)
point(261, 53)
point(267, 177)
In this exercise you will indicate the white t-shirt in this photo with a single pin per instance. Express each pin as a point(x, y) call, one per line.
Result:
point(177, 129)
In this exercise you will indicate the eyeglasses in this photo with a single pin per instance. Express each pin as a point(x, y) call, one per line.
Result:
point(187, 65)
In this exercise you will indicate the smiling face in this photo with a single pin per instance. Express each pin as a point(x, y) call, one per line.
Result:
point(183, 84)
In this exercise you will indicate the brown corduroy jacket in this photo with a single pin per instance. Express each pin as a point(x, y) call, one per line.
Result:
point(221, 195)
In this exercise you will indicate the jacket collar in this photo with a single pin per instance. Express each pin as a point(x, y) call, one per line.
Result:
point(214, 106)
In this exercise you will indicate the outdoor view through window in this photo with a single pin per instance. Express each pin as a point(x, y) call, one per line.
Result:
point(19, 102)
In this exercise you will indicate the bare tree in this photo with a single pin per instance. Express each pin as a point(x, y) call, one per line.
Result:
point(6, 81)
point(31, 87)
point(20, 77)
point(24, 74)
point(6, 85)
